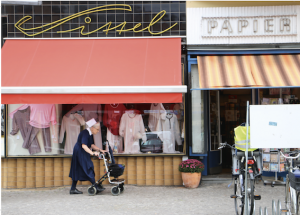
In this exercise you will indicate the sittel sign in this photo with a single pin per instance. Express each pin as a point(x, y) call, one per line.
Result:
point(105, 28)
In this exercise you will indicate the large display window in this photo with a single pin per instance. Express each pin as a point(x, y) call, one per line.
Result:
point(129, 129)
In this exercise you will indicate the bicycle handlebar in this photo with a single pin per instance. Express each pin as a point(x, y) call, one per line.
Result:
point(223, 145)
point(290, 157)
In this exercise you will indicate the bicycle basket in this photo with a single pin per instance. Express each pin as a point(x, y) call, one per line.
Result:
point(294, 182)
point(116, 170)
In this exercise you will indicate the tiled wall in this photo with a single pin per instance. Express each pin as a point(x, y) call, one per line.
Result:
point(142, 12)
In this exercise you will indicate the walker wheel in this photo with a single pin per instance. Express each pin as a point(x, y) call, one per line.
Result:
point(115, 191)
point(122, 188)
point(92, 190)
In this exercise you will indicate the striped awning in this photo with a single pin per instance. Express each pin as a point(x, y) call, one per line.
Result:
point(252, 71)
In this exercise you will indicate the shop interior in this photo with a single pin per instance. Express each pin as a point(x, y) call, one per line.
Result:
point(227, 110)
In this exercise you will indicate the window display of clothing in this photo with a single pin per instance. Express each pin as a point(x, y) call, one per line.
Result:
point(21, 122)
point(155, 110)
point(132, 129)
point(71, 126)
point(169, 132)
point(114, 140)
point(112, 116)
point(90, 111)
point(42, 114)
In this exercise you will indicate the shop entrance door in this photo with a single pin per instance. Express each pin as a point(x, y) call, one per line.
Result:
point(227, 110)
point(214, 154)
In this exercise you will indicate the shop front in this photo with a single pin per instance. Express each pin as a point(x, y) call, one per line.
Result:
point(233, 58)
point(134, 86)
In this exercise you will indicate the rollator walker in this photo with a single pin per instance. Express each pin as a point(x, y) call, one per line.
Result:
point(114, 170)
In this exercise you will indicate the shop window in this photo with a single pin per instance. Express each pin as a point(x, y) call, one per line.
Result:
point(129, 129)
point(279, 96)
point(198, 143)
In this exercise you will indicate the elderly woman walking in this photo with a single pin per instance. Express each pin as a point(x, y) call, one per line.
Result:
point(82, 167)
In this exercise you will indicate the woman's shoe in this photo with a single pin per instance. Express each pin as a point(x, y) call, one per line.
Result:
point(75, 191)
point(99, 188)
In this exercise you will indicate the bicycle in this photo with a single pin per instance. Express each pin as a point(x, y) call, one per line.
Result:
point(292, 190)
point(239, 174)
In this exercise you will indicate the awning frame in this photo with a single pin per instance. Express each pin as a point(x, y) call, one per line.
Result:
point(94, 90)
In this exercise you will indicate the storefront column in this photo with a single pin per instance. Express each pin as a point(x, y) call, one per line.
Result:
point(168, 171)
point(141, 170)
point(67, 165)
point(49, 172)
point(176, 174)
point(159, 171)
point(131, 165)
point(58, 172)
point(150, 171)
point(30, 173)
point(21, 173)
point(40, 172)
point(4, 175)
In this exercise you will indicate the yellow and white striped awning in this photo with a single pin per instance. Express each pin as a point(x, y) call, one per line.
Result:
point(252, 71)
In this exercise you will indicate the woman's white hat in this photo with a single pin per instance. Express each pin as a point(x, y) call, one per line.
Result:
point(91, 122)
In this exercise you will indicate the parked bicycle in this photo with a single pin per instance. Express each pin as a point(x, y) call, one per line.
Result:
point(239, 173)
point(292, 186)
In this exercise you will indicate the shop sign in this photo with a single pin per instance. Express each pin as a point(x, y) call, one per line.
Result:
point(121, 28)
point(245, 26)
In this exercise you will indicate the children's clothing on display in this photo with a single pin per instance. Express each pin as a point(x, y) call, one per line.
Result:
point(132, 129)
point(90, 111)
point(155, 110)
point(112, 115)
point(115, 142)
point(20, 122)
point(168, 129)
point(71, 126)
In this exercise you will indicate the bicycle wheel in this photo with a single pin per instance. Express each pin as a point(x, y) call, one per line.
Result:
point(251, 197)
point(239, 200)
point(298, 201)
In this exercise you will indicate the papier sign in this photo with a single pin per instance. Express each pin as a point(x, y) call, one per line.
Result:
point(275, 126)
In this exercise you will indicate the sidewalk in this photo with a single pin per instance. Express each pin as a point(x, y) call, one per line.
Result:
point(209, 198)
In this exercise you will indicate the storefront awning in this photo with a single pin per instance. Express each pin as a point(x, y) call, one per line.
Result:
point(91, 71)
point(251, 71)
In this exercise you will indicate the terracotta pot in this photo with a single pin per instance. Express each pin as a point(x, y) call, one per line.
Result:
point(191, 180)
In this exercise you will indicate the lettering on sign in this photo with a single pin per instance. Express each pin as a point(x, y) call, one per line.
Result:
point(277, 25)
point(268, 25)
point(105, 28)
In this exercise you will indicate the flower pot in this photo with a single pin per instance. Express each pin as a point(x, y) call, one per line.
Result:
point(191, 180)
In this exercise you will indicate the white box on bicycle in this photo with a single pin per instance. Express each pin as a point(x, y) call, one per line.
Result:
point(275, 126)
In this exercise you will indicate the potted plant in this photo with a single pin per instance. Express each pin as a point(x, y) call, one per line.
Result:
point(191, 172)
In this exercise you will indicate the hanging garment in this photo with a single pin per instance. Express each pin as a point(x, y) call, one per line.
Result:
point(22, 107)
point(90, 111)
point(79, 118)
point(115, 141)
point(42, 114)
point(20, 122)
point(71, 126)
point(112, 115)
point(82, 167)
point(154, 115)
point(31, 134)
point(132, 129)
point(168, 130)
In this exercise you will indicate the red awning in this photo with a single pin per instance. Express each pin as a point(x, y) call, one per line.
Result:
point(45, 70)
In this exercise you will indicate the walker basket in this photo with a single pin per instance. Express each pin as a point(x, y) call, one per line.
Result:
point(116, 170)
point(294, 182)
